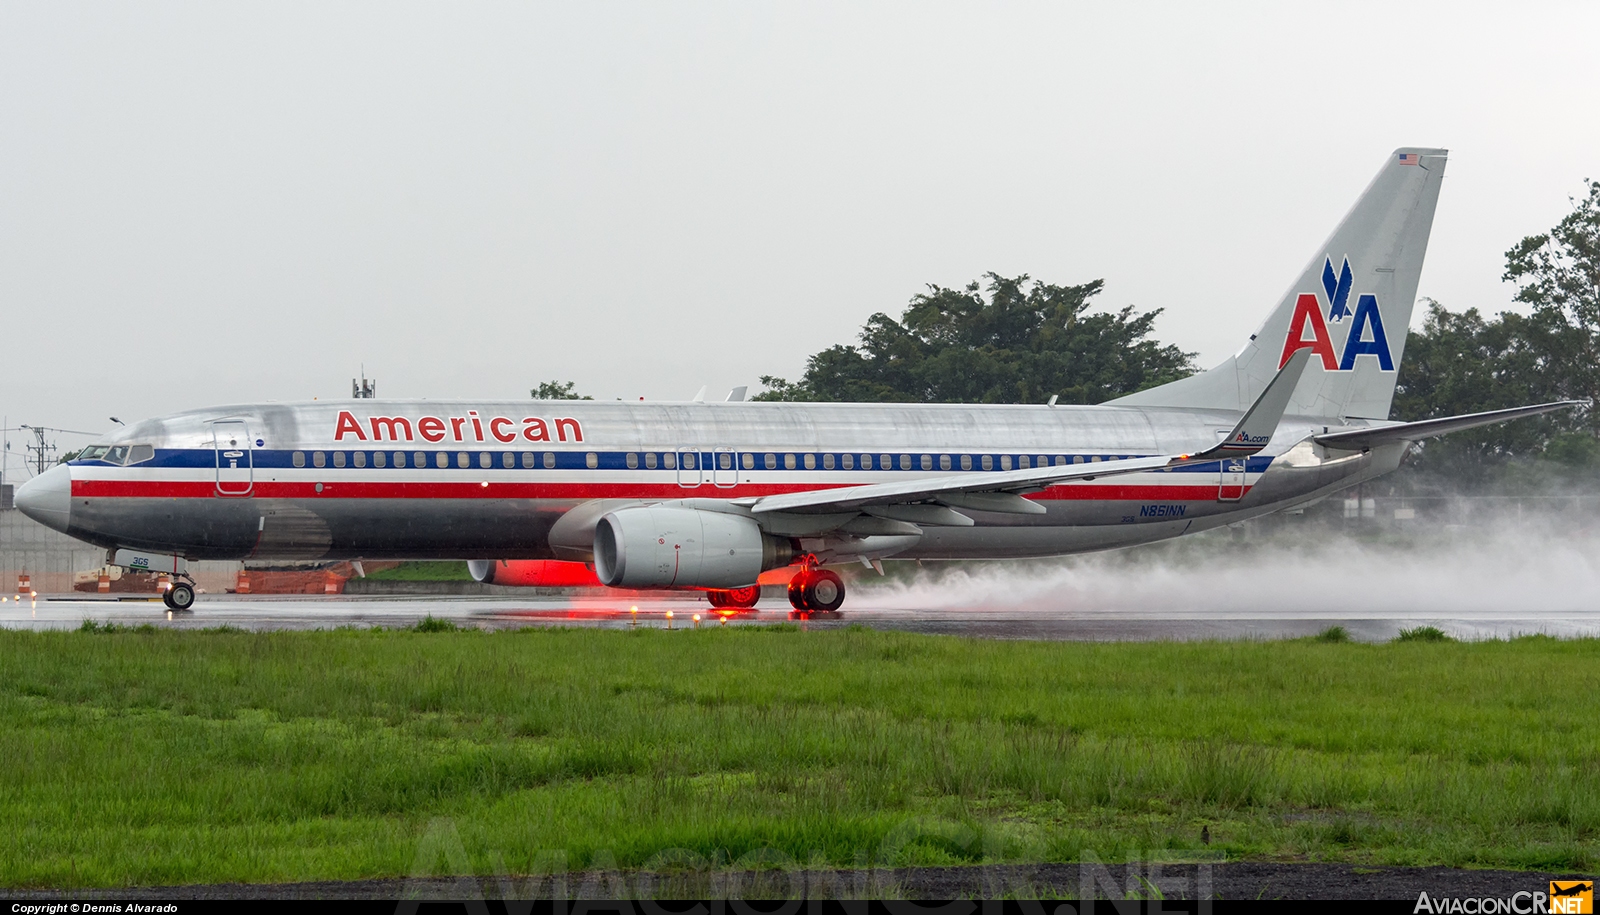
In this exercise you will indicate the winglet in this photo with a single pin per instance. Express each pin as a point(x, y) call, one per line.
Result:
point(1255, 430)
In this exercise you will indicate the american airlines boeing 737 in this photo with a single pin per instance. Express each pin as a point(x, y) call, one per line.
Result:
point(715, 496)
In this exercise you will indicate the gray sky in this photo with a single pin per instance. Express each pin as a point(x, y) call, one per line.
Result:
point(209, 203)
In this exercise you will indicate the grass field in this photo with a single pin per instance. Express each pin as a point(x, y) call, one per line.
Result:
point(146, 757)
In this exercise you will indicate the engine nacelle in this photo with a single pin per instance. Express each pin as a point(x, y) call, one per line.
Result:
point(660, 546)
point(533, 573)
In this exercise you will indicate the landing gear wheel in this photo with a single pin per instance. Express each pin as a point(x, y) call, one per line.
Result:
point(824, 592)
point(718, 599)
point(797, 593)
point(179, 597)
point(816, 594)
point(743, 598)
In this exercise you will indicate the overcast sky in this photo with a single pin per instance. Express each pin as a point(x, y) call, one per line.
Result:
point(211, 203)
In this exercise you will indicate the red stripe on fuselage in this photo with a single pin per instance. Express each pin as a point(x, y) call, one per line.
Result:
point(205, 489)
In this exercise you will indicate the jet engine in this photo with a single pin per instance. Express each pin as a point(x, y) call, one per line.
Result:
point(660, 546)
point(533, 573)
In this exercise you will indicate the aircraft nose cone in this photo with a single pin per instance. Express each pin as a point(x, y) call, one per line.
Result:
point(47, 498)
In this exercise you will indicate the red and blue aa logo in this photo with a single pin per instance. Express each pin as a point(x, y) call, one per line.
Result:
point(1308, 329)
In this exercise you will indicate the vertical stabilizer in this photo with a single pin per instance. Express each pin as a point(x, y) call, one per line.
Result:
point(1351, 307)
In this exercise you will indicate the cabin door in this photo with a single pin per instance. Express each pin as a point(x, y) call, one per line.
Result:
point(691, 469)
point(725, 468)
point(1231, 487)
point(235, 476)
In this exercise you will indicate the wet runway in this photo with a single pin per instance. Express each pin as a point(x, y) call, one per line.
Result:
point(1042, 621)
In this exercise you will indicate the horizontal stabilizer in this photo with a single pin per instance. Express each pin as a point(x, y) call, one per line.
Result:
point(1428, 428)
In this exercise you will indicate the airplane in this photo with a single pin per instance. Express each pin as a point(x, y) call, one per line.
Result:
point(722, 497)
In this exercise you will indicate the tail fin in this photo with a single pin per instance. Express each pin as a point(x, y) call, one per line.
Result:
point(1351, 307)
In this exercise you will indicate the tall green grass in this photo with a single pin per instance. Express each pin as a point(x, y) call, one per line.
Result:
point(141, 756)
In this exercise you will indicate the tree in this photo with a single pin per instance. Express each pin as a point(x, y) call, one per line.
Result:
point(1558, 273)
point(1021, 344)
point(558, 390)
point(1461, 362)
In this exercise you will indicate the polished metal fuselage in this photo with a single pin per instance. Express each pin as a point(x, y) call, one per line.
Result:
point(370, 479)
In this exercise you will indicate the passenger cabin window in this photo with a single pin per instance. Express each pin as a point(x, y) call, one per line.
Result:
point(966, 462)
point(688, 460)
point(463, 460)
point(748, 460)
point(724, 460)
point(527, 460)
point(632, 461)
point(827, 462)
point(885, 462)
point(770, 461)
point(508, 460)
point(650, 460)
point(318, 459)
point(811, 462)
point(591, 460)
point(379, 459)
point(926, 462)
point(441, 460)
point(298, 459)
point(847, 461)
point(485, 460)
point(359, 458)
point(944, 462)
point(419, 459)
point(987, 461)
point(1060, 460)
point(670, 460)
point(338, 459)
point(788, 462)
point(1005, 462)
point(549, 460)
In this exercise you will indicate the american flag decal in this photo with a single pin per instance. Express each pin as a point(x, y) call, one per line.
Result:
point(1410, 159)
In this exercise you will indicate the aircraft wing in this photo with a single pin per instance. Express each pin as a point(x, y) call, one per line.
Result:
point(998, 491)
point(1428, 428)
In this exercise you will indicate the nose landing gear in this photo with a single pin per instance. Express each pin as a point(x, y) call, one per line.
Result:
point(815, 593)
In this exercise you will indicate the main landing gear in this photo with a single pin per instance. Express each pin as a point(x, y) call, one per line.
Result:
point(815, 593)
point(179, 597)
point(736, 599)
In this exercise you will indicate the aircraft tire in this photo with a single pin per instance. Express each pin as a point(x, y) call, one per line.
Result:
point(797, 592)
point(743, 598)
point(824, 591)
point(180, 596)
point(166, 598)
point(718, 599)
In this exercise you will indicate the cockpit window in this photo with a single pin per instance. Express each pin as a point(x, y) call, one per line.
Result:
point(118, 454)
